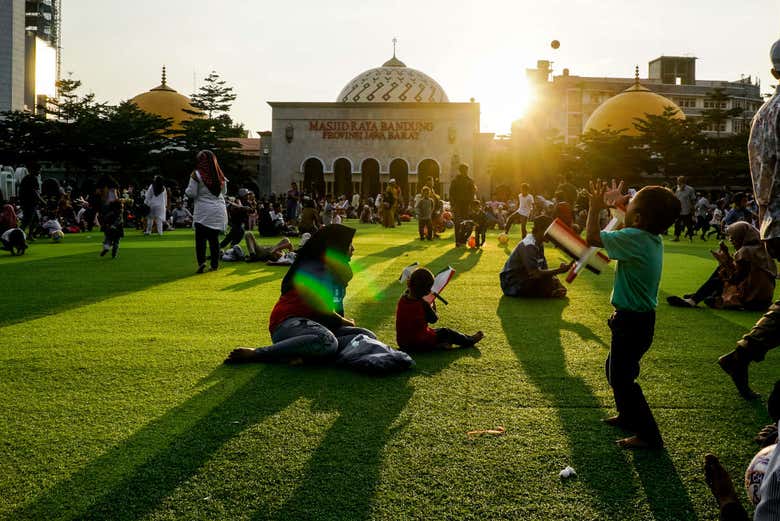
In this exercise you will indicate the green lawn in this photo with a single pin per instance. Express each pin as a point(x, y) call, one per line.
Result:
point(114, 403)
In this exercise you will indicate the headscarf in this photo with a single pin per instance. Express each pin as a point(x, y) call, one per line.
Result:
point(743, 234)
point(325, 253)
point(210, 172)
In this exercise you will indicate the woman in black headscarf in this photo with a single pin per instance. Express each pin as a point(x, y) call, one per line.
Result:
point(308, 320)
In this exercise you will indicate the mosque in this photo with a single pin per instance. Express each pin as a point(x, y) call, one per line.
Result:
point(166, 102)
point(389, 122)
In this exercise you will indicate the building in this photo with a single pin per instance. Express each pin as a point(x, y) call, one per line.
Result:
point(12, 45)
point(29, 53)
point(566, 102)
point(164, 101)
point(389, 122)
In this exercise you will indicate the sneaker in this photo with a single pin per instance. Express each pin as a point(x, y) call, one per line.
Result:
point(201, 268)
point(105, 250)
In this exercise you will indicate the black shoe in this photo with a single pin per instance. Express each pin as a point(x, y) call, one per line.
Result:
point(737, 369)
point(678, 302)
point(201, 268)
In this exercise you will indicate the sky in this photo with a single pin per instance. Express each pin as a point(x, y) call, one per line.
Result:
point(307, 50)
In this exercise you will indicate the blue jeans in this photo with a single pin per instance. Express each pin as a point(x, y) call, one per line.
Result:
point(303, 338)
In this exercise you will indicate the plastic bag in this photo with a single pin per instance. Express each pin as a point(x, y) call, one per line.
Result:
point(369, 355)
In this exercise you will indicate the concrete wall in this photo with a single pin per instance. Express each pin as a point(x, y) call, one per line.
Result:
point(12, 54)
point(452, 139)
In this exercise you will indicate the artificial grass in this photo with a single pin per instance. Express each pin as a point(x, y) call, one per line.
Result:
point(115, 404)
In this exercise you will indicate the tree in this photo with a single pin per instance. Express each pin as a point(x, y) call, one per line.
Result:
point(668, 145)
point(214, 98)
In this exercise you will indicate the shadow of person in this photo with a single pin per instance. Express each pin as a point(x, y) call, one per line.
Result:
point(162, 459)
point(533, 329)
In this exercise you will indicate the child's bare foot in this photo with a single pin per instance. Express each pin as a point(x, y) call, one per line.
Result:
point(241, 355)
point(476, 337)
point(719, 481)
point(635, 442)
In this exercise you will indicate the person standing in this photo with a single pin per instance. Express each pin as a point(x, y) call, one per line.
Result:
point(525, 207)
point(30, 199)
point(388, 206)
point(687, 197)
point(207, 187)
point(293, 195)
point(462, 192)
point(763, 151)
point(424, 208)
point(157, 200)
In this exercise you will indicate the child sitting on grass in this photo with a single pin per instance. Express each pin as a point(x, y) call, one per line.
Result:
point(413, 314)
point(638, 250)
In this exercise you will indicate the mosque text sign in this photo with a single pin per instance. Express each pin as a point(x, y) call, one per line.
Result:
point(360, 129)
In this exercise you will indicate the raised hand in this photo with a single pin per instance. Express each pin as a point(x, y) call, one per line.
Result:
point(596, 191)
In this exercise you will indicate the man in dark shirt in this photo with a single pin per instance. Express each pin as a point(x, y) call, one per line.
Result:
point(462, 192)
point(30, 198)
point(526, 274)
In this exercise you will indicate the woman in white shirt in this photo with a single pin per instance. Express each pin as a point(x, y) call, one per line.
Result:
point(207, 188)
point(157, 200)
point(525, 206)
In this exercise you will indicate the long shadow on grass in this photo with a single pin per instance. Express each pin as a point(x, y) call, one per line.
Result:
point(131, 480)
point(532, 327)
point(42, 287)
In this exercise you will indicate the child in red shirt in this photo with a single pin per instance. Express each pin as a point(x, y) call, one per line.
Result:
point(413, 314)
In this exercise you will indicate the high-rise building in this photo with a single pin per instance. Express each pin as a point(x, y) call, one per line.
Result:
point(29, 53)
point(12, 54)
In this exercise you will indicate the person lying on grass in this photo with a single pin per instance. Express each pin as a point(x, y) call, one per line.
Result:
point(526, 274)
point(638, 250)
point(308, 323)
point(744, 281)
point(414, 313)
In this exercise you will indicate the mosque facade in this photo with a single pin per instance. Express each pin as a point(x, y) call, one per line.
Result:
point(389, 122)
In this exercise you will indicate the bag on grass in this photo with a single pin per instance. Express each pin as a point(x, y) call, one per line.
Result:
point(369, 355)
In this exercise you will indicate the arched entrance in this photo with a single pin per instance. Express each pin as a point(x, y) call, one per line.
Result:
point(313, 177)
point(342, 177)
point(426, 170)
point(369, 177)
point(399, 170)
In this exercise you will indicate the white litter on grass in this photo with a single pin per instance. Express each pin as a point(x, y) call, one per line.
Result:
point(568, 472)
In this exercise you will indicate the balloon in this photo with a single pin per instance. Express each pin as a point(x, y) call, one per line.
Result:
point(555, 44)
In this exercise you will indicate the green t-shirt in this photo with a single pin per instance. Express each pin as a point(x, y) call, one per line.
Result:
point(639, 255)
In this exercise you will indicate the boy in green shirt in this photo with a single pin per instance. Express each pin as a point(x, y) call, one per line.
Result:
point(638, 250)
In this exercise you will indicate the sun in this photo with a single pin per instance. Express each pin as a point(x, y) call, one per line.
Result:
point(506, 103)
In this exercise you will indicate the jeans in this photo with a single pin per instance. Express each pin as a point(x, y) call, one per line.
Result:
point(204, 234)
point(450, 336)
point(235, 236)
point(425, 227)
point(303, 338)
point(632, 335)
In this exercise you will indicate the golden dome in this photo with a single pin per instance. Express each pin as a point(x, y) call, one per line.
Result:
point(621, 111)
point(166, 102)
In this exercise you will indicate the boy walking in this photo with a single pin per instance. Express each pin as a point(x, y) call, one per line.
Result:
point(638, 250)
point(424, 208)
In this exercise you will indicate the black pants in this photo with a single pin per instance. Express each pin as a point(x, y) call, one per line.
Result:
point(764, 336)
point(480, 233)
point(458, 216)
point(234, 236)
point(450, 336)
point(425, 227)
point(684, 222)
point(632, 335)
point(31, 220)
point(713, 287)
point(205, 234)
